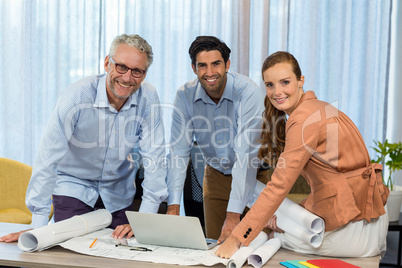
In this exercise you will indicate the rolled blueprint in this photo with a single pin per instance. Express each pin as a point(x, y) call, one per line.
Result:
point(241, 255)
point(52, 234)
point(261, 255)
point(296, 220)
point(306, 219)
point(290, 226)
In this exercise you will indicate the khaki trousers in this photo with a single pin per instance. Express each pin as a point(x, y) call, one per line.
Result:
point(216, 191)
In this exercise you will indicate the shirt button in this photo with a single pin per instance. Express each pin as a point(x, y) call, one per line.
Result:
point(245, 236)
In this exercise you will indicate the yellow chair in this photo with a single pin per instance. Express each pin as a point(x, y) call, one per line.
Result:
point(14, 179)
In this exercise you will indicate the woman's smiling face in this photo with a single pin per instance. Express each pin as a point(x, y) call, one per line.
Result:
point(283, 89)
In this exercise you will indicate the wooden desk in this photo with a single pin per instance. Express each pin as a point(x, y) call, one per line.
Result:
point(11, 255)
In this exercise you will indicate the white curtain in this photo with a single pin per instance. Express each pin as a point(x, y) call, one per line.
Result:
point(342, 47)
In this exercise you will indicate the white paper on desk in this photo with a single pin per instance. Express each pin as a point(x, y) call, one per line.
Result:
point(261, 255)
point(52, 234)
point(241, 255)
point(105, 247)
point(296, 220)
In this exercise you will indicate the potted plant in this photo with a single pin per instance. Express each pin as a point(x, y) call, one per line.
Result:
point(390, 156)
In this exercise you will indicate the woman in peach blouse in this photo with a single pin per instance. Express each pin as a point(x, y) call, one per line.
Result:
point(323, 145)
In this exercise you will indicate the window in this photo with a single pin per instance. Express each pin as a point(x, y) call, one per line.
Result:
point(342, 47)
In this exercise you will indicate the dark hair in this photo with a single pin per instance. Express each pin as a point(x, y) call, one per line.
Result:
point(274, 121)
point(208, 43)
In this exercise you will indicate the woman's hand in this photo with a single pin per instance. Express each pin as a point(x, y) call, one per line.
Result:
point(121, 231)
point(228, 247)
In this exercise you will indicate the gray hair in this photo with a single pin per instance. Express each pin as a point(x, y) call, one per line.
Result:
point(133, 41)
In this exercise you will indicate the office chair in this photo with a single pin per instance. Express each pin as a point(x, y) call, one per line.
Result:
point(193, 193)
point(14, 179)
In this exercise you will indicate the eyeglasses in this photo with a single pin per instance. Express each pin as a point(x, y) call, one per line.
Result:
point(122, 69)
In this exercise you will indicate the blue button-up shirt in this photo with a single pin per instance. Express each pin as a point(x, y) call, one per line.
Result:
point(227, 134)
point(90, 149)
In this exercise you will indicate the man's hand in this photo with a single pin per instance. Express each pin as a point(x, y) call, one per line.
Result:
point(271, 224)
point(173, 210)
point(228, 248)
point(231, 221)
point(121, 231)
point(13, 237)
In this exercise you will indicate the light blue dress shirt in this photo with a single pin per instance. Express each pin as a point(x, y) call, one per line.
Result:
point(90, 149)
point(227, 134)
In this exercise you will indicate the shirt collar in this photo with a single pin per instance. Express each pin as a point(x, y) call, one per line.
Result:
point(102, 100)
point(200, 93)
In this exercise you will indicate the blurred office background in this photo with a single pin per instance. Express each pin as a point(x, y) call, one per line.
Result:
point(347, 49)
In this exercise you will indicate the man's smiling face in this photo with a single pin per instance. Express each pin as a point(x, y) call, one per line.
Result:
point(121, 86)
point(211, 71)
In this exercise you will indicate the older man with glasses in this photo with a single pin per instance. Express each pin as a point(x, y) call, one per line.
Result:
point(91, 148)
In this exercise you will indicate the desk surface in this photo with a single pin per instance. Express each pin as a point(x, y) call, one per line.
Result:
point(11, 255)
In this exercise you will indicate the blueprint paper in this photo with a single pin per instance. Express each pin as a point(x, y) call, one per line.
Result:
point(261, 255)
point(52, 234)
point(105, 247)
point(241, 255)
point(296, 220)
point(292, 227)
point(307, 219)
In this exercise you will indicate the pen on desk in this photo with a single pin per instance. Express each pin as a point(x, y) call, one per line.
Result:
point(134, 248)
point(93, 243)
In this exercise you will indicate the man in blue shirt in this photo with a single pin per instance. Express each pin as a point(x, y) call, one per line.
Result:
point(90, 151)
point(222, 112)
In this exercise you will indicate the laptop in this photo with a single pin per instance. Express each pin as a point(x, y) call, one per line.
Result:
point(169, 230)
